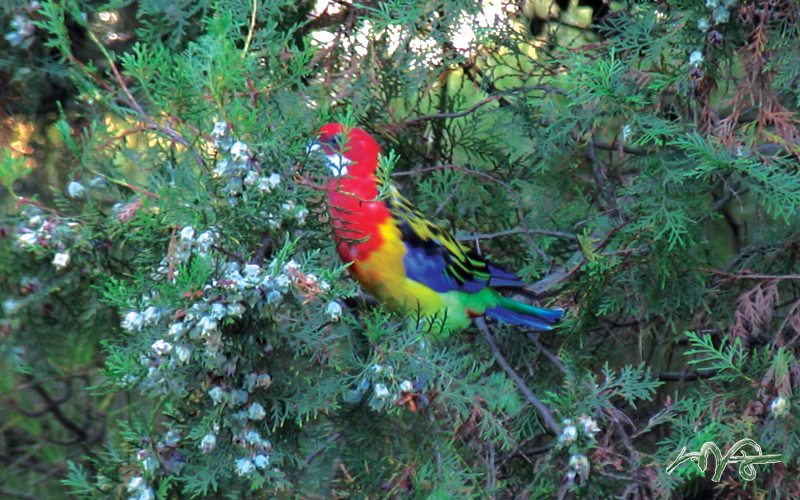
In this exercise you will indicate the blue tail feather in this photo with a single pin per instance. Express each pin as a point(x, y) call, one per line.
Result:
point(517, 313)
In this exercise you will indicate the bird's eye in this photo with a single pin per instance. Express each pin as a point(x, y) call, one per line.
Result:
point(336, 141)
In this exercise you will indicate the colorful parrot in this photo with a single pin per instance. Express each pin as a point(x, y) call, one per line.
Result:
point(408, 263)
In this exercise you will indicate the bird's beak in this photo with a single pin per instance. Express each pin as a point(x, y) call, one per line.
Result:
point(336, 162)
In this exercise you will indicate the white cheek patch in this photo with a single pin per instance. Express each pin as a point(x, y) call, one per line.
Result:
point(338, 164)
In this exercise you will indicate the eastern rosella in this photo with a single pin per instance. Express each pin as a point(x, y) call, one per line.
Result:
point(405, 261)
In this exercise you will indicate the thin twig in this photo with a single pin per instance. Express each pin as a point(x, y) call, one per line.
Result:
point(311, 456)
point(230, 254)
point(54, 407)
point(788, 318)
point(264, 250)
point(544, 413)
point(437, 116)
point(458, 114)
point(685, 376)
point(99, 80)
point(508, 232)
point(152, 124)
point(450, 196)
point(613, 146)
point(132, 102)
point(123, 135)
point(601, 178)
point(126, 185)
point(778, 277)
point(537, 450)
point(573, 265)
point(191, 127)
point(491, 477)
point(616, 146)
point(302, 181)
point(27, 201)
point(9, 493)
point(549, 355)
point(251, 29)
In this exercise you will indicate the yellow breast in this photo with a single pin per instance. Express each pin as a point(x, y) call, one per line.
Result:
point(383, 275)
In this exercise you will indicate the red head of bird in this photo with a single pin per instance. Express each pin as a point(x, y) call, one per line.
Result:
point(351, 152)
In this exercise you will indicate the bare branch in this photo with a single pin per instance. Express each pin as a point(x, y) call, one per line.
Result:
point(777, 277)
point(685, 376)
point(547, 417)
point(437, 116)
point(508, 232)
point(311, 456)
point(9, 493)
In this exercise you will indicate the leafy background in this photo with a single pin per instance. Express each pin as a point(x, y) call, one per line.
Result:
point(175, 323)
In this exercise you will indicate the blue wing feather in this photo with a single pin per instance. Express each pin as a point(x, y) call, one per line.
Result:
point(438, 261)
point(430, 263)
point(430, 270)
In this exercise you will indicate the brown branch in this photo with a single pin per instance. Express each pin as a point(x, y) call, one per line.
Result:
point(132, 102)
point(613, 146)
point(549, 355)
point(544, 412)
point(311, 456)
point(152, 124)
point(134, 130)
point(130, 186)
point(37, 413)
point(230, 254)
point(577, 260)
point(194, 129)
point(617, 146)
point(264, 250)
point(601, 179)
point(9, 493)
point(536, 450)
point(437, 116)
point(780, 339)
point(27, 201)
point(99, 80)
point(450, 196)
point(302, 181)
point(778, 277)
point(53, 405)
point(508, 232)
point(685, 376)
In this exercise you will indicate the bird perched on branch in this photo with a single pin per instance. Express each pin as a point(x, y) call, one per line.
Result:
point(408, 263)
